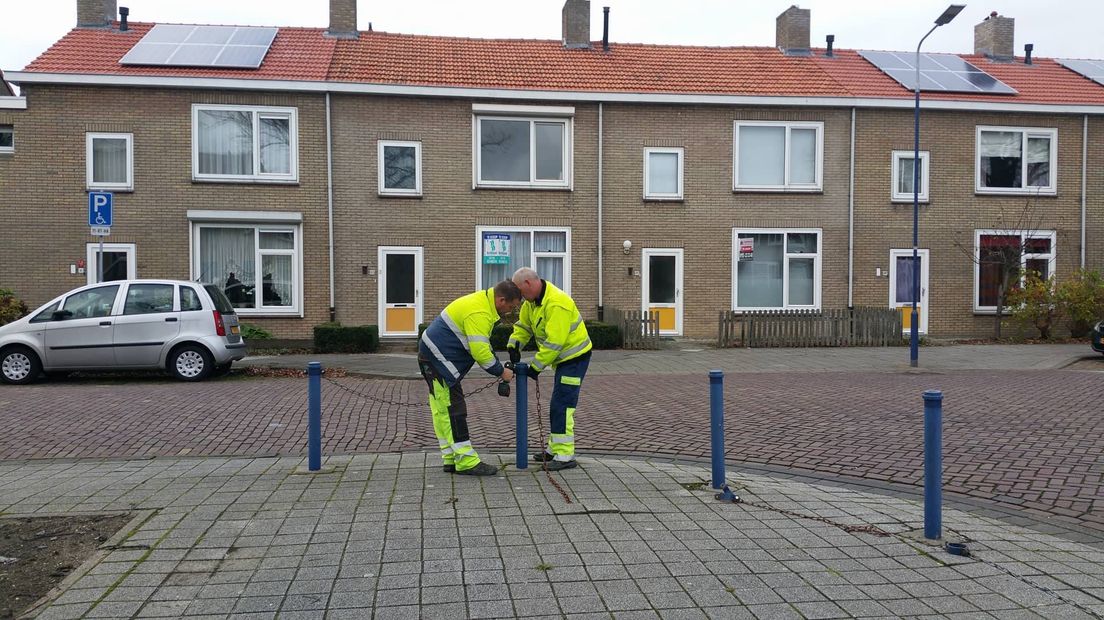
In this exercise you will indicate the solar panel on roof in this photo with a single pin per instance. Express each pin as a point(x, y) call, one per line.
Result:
point(202, 46)
point(938, 72)
point(1092, 69)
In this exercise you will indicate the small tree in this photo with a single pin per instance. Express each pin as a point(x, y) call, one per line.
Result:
point(1035, 303)
point(11, 307)
point(1081, 300)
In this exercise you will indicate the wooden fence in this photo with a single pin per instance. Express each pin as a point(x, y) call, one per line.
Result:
point(858, 327)
point(638, 331)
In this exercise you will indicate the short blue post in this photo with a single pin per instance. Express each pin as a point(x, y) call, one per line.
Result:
point(314, 416)
point(716, 425)
point(521, 380)
point(933, 464)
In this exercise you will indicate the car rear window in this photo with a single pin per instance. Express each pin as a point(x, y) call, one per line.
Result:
point(222, 304)
point(189, 299)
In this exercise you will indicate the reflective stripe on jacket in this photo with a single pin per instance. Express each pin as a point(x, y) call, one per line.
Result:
point(556, 324)
point(461, 336)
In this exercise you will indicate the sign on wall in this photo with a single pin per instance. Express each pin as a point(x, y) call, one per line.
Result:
point(496, 249)
point(747, 248)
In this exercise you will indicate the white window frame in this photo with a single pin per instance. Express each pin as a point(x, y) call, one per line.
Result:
point(257, 112)
point(1050, 257)
point(818, 265)
point(89, 138)
point(786, 186)
point(533, 254)
point(1028, 132)
point(391, 191)
point(92, 251)
point(295, 309)
point(648, 193)
point(533, 183)
point(896, 196)
point(11, 130)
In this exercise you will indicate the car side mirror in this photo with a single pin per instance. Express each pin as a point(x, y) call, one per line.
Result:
point(62, 315)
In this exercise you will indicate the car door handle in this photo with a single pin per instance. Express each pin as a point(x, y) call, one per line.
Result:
point(171, 319)
point(105, 322)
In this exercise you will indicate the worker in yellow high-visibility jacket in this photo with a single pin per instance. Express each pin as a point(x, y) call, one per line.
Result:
point(456, 340)
point(550, 316)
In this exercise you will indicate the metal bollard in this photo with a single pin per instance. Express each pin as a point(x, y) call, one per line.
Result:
point(716, 425)
point(314, 416)
point(522, 431)
point(933, 464)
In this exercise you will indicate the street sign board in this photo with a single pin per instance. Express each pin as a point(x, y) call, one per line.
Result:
point(101, 231)
point(99, 209)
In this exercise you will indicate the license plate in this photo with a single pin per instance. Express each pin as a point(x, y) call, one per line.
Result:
point(234, 329)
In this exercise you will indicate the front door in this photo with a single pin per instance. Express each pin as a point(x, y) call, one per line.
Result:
point(662, 289)
point(400, 290)
point(901, 287)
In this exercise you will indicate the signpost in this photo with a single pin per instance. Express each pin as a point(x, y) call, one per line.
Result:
point(99, 221)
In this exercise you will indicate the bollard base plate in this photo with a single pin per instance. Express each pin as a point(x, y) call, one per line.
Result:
point(304, 469)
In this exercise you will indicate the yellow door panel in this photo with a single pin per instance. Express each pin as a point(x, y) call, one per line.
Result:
point(400, 320)
point(666, 318)
point(906, 315)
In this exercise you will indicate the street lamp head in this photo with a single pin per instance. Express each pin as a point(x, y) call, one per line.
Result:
point(951, 12)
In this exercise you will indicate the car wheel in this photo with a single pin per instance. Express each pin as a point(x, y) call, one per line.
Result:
point(191, 363)
point(222, 370)
point(19, 365)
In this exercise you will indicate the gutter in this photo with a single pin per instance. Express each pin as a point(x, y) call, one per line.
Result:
point(601, 307)
point(329, 204)
point(1084, 172)
point(851, 219)
point(13, 103)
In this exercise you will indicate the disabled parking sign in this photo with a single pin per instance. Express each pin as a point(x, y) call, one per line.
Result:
point(99, 209)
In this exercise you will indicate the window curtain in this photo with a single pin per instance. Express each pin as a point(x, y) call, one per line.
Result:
point(109, 160)
point(400, 167)
point(225, 142)
point(276, 145)
point(227, 259)
point(759, 281)
point(995, 253)
point(1001, 158)
point(762, 155)
point(905, 172)
point(803, 156)
point(276, 279)
point(1038, 162)
point(550, 149)
point(904, 280)
point(801, 281)
point(550, 268)
point(663, 173)
point(520, 255)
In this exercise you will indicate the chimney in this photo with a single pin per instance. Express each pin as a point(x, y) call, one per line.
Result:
point(124, 12)
point(1030, 47)
point(605, 29)
point(830, 39)
point(993, 38)
point(95, 13)
point(792, 31)
point(343, 19)
point(576, 24)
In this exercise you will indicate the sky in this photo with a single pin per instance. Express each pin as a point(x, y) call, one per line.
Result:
point(1058, 28)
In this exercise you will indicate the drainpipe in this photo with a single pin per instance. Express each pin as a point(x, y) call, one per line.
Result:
point(601, 308)
point(851, 220)
point(1084, 170)
point(329, 204)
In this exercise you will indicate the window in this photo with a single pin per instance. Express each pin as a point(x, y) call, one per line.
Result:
point(189, 300)
point(504, 249)
point(903, 171)
point(233, 143)
point(1016, 161)
point(523, 152)
point(257, 267)
point(92, 303)
point(663, 174)
point(776, 269)
point(118, 262)
point(400, 168)
point(1008, 253)
point(47, 313)
point(771, 156)
point(148, 299)
point(109, 159)
point(7, 139)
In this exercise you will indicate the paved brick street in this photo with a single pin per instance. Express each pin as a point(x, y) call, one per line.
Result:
point(1025, 438)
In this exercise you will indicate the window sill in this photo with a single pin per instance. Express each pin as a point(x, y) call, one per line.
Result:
point(902, 201)
point(391, 195)
point(245, 181)
point(779, 190)
point(268, 314)
point(1018, 192)
point(664, 199)
point(542, 188)
point(113, 190)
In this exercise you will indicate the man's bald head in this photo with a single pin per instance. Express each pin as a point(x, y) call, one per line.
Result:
point(529, 282)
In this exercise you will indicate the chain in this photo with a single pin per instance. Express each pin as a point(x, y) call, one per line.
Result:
point(544, 439)
point(384, 401)
point(850, 529)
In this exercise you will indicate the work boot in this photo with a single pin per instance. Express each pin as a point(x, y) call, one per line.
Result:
point(482, 469)
point(449, 468)
point(558, 465)
point(542, 456)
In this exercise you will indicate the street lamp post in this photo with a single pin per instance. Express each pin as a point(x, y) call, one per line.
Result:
point(914, 322)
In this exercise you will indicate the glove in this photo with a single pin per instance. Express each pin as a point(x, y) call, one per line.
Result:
point(533, 373)
point(515, 354)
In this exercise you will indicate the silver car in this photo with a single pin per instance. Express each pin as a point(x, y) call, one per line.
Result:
point(186, 328)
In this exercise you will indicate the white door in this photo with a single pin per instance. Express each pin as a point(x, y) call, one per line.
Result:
point(900, 287)
point(118, 262)
point(400, 290)
point(661, 292)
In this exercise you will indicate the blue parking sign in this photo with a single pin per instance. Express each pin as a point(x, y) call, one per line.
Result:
point(99, 208)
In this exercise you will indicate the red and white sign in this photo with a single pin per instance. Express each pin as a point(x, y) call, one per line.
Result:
point(747, 248)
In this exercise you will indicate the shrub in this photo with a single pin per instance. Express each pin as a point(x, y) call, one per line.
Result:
point(500, 335)
point(337, 338)
point(11, 307)
point(1035, 303)
point(1081, 300)
point(252, 332)
point(604, 335)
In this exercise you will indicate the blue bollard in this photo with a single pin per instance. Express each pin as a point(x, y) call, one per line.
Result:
point(521, 381)
point(314, 416)
point(933, 464)
point(716, 425)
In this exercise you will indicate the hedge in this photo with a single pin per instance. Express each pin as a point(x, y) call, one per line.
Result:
point(337, 338)
point(602, 335)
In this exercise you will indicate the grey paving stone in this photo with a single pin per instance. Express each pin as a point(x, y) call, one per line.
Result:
point(163, 609)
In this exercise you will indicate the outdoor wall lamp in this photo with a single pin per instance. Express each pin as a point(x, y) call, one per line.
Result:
point(626, 246)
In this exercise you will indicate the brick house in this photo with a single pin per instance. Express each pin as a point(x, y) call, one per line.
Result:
point(372, 177)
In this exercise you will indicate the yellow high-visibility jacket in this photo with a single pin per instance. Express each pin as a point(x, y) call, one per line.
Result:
point(554, 320)
point(461, 336)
